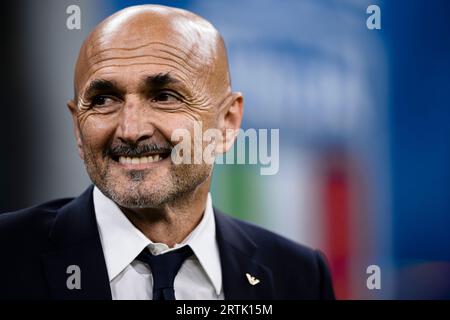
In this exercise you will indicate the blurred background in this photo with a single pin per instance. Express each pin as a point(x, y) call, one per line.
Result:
point(363, 116)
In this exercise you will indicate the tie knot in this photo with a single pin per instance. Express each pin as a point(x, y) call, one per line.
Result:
point(164, 269)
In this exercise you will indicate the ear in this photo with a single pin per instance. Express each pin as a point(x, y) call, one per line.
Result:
point(230, 122)
point(76, 129)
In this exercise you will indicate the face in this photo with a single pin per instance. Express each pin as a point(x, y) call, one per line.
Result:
point(132, 94)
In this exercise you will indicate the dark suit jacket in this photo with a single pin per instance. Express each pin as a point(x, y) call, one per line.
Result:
point(39, 243)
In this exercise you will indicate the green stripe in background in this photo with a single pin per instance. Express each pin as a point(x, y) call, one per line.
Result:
point(236, 190)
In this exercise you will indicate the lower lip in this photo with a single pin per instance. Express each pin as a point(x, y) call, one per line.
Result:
point(141, 166)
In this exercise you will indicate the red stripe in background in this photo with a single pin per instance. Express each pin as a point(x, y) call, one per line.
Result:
point(337, 206)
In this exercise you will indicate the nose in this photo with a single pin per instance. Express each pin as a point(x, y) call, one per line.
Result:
point(134, 123)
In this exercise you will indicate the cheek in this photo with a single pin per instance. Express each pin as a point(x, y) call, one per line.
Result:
point(168, 123)
point(193, 131)
point(96, 132)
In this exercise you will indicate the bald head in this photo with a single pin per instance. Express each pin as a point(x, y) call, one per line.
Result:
point(172, 40)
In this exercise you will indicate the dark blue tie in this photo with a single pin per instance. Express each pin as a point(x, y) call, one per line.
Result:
point(164, 268)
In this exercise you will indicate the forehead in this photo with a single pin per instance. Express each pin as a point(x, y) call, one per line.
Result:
point(132, 63)
point(131, 66)
point(137, 48)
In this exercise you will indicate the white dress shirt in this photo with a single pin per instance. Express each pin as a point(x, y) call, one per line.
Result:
point(200, 276)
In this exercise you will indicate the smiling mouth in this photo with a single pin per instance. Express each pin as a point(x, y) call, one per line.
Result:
point(141, 159)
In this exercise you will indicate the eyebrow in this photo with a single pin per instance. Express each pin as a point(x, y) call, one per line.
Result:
point(100, 85)
point(151, 82)
point(160, 80)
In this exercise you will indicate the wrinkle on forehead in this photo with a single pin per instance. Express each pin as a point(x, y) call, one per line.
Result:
point(152, 34)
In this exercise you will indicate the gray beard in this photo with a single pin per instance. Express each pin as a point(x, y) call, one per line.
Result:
point(181, 184)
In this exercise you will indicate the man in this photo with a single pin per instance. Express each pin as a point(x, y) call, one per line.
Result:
point(146, 229)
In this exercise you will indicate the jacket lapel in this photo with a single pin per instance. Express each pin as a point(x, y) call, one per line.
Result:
point(75, 253)
point(237, 255)
point(74, 241)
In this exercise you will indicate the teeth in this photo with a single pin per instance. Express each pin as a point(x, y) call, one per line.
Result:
point(143, 159)
point(138, 160)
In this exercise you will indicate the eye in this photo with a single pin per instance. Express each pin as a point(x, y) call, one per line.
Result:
point(165, 97)
point(101, 100)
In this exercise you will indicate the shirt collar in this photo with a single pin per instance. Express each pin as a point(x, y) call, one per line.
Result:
point(122, 241)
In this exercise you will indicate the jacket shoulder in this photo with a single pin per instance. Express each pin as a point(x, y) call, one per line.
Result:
point(30, 222)
point(272, 241)
point(296, 268)
point(24, 238)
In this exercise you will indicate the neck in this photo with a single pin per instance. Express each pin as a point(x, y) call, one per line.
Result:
point(174, 221)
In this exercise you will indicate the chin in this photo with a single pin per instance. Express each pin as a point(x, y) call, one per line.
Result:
point(139, 195)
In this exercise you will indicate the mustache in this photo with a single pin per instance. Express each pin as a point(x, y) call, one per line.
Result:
point(134, 150)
